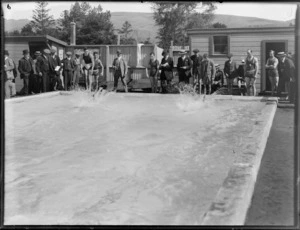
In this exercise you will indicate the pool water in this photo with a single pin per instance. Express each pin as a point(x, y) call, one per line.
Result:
point(120, 158)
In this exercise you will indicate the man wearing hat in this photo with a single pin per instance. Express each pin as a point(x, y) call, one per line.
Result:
point(184, 66)
point(68, 68)
point(287, 75)
point(88, 67)
point(37, 80)
point(26, 71)
point(207, 72)
point(120, 71)
point(166, 67)
point(55, 67)
point(43, 69)
point(77, 70)
point(197, 59)
point(230, 71)
point(219, 79)
point(10, 88)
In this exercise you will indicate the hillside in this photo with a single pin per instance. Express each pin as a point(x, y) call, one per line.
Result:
point(144, 26)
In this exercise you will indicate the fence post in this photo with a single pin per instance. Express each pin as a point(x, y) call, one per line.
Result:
point(107, 63)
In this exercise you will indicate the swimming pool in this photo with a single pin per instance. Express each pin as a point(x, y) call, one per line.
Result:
point(125, 158)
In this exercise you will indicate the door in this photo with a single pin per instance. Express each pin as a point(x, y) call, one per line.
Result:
point(277, 46)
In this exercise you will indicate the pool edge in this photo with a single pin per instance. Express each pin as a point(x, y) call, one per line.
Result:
point(233, 199)
point(26, 98)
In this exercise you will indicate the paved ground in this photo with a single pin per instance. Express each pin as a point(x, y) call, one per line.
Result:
point(273, 198)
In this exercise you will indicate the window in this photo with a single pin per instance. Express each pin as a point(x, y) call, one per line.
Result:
point(220, 45)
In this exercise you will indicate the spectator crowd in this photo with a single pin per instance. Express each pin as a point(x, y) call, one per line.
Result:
point(45, 70)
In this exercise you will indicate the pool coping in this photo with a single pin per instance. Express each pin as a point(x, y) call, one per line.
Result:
point(233, 199)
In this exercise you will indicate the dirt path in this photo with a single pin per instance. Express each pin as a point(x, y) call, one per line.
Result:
point(273, 198)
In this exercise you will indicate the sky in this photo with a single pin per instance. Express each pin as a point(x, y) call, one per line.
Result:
point(272, 11)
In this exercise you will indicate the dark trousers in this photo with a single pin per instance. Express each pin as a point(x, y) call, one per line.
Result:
point(55, 81)
point(118, 75)
point(26, 84)
point(281, 86)
point(45, 82)
point(35, 83)
point(183, 77)
point(68, 76)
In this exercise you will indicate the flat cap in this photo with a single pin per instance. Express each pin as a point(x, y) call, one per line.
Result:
point(25, 52)
point(230, 55)
point(165, 52)
point(46, 51)
point(37, 53)
point(196, 51)
point(281, 54)
point(53, 50)
point(69, 53)
point(119, 51)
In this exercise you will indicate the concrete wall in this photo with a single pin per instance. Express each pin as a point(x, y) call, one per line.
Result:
point(239, 43)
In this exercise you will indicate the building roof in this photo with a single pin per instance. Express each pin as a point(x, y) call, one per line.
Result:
point(242, 30)
point(33, 38)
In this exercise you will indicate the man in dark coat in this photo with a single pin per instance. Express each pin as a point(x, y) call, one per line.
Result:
point(37, 80)
point(184, 67)
point(208, 71)
point(166, 67)
point(286, 69)
point(55, 67)
point(197, 59)
point(120, 71)
point(43, 69)
point(68, 68)
point(26, 72)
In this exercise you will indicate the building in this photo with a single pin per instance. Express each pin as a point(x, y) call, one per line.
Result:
point(217, 43)
point(16, 44)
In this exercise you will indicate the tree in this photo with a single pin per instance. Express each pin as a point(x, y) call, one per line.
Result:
point(219, 25)
point(97, 28)
point(93, 26)
point(27, 30)
point(174, 19)
point(42, 21)
point(12, 33)
point(126, 29)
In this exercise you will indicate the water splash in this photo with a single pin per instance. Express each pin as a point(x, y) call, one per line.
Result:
point(85, 98)
point(189, 100)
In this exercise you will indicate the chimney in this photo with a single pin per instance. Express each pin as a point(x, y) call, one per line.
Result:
point(73, 34)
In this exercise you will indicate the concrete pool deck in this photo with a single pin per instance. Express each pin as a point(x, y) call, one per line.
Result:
point(234, 197)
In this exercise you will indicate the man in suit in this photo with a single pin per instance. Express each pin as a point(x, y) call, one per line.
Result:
point(197, 59)
point(207, 73)
point(286, 69)
point(68, 68)
point(43, 69)
point(184, 67)
point(55, 67)
point(166, 67)
point(26, 71)
point(10, 88)
point(120, 71)
point(37, 80)
point(230, 71)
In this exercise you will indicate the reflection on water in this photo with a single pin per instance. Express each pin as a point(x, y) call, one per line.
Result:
point(117, 159)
